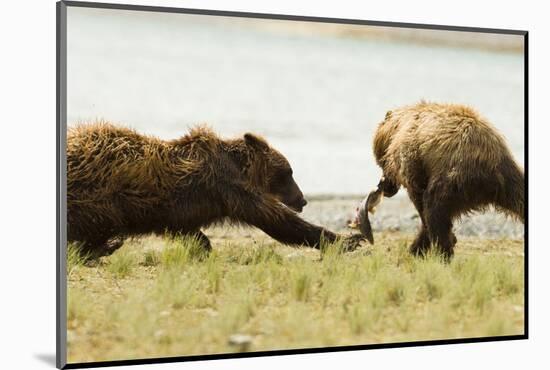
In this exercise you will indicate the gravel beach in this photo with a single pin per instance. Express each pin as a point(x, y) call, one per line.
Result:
point(398, 214)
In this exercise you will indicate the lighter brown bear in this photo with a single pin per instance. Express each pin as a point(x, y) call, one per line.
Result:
point(451, 161)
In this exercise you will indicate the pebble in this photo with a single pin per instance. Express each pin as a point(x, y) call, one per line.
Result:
point(71, 336)
point(241, 342)
point(294, 255)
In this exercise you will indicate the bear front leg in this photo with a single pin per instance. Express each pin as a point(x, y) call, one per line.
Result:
point(439, 225)
point(275, 219)
point(421, 243)
point(288, 228)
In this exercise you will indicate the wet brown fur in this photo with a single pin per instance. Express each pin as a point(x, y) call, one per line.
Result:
point(451, 161)
point(121, 183)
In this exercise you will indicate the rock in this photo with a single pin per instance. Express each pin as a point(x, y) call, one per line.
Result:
point(241, 342)
point(517, 308)
point(294, 255)
point(71, 336)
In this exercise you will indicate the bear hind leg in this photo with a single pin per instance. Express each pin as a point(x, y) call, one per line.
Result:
point(204, 241)
point(92, 250)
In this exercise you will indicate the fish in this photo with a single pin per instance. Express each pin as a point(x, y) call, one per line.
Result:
point(368, 205)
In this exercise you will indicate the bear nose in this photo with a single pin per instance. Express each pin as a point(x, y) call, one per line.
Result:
point(304, 202)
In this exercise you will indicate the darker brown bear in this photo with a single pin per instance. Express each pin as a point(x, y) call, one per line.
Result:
point(121, 183)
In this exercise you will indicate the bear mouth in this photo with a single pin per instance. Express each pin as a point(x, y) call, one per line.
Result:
point(298, 204)
point(294, 207)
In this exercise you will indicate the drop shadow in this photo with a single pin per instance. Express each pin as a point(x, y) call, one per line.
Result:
point(47, 358)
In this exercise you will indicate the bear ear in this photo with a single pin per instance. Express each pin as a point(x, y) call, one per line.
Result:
point(255, 142)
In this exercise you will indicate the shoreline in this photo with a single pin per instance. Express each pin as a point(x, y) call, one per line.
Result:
point(397, 214)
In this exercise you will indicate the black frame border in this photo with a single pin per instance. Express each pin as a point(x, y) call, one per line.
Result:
point(61, 215)
point(61, 187)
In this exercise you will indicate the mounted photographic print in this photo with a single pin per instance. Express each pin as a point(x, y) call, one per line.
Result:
point(236, 184)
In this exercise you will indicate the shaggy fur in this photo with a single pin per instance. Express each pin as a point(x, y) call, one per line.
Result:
point(121, 183)
point(451, 161)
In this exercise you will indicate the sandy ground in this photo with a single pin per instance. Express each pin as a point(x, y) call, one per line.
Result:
point(398, 214)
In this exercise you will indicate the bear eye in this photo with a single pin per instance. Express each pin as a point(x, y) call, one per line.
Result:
point(282, 177)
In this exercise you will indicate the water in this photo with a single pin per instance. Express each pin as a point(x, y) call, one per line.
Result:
point(315, 98)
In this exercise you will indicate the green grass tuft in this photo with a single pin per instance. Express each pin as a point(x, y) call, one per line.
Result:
point(182, 250)
point(75, 257)
point(122, 263)
point(258, 255)
point(302, 287)
point(214, 274)
point(151, 258)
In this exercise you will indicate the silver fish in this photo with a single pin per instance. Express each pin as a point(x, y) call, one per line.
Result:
point(368, 205)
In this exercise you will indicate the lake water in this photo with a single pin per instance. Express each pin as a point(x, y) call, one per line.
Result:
point(317, 99)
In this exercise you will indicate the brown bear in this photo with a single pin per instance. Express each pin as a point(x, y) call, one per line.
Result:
point(121, 183)
point(451, 161)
